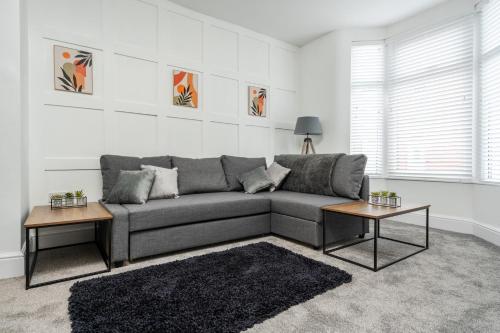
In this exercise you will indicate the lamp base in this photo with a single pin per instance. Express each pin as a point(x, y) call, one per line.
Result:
point(307, 147)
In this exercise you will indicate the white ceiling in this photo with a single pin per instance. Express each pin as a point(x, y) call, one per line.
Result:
point(301, 21)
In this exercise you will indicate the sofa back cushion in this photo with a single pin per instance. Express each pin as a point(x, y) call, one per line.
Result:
point(200, 175)
point(309, 173)
point(235, 166)
point(112, 164)
point(348, 175)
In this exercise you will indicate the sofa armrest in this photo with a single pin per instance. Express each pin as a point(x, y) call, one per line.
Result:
point(120, 231)
point(364, 192)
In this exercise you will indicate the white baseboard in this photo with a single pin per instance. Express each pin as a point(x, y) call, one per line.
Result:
point(487, 232)
point(11, 264)
point(443, 222)
point(51, 238)
point(453, 223)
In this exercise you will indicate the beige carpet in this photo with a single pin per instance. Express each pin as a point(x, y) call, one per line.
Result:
point(452, 287)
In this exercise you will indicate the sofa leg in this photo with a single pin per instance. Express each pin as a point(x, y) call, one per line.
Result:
point(119, 264)
point(361, 236)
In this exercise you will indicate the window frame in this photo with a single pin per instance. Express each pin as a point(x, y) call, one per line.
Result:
point(477, 158)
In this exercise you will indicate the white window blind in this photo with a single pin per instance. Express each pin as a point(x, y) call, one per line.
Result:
point(367, 104)
point(429, 115)
point(490, 90)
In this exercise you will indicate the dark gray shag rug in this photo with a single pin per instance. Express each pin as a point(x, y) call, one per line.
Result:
point(226, 291)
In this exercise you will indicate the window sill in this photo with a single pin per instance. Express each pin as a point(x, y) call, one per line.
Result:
point(438, 180)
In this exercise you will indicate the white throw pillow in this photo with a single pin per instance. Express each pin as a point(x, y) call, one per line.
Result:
point(277, 173)
point(165, 183)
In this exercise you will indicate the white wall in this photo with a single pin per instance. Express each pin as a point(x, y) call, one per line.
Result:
point(136, 45)
point(467, 208)
point(12, 148)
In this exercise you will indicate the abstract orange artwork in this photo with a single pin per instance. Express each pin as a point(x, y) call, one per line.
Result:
point(73, 70)
point(257, 101)
point(185, 89)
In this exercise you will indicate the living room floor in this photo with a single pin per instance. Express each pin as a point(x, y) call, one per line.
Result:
point(452, 287)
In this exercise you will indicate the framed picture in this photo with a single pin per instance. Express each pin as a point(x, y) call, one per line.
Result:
point(73, 71)
point(185, 88)
point(257, 101)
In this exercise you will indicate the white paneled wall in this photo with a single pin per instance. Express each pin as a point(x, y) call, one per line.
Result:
point(136, 46)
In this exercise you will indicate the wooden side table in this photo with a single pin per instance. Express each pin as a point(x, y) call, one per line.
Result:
point(376, 213)
point(44, 217)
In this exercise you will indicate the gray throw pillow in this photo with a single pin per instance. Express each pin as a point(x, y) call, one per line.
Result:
point(165, 183)
point(348, 175)
point(200, 175)
point(235, 166)
point(309, 173)
point(111, 165)
point(255, 180)
point(277, 173)
point(132, 187)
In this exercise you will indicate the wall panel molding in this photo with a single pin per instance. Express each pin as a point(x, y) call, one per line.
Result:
point(131, 110)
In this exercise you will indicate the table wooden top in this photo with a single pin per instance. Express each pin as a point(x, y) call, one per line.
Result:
point(43, 216)
point(364, 209)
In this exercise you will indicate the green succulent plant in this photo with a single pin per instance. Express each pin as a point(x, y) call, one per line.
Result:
point(68, 195)
point(375, 194)
point(393, 194)
point(384, 193)
point(79, 194)
point(56, 196)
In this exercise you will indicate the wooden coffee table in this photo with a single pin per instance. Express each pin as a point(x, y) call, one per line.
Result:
point(44, 217)
point(376, 213)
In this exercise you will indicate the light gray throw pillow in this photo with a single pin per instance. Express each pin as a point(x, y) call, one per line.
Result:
point(132, 187)
point(348, 175)
point(165, 183)
point(255, 180)
point(277, 173)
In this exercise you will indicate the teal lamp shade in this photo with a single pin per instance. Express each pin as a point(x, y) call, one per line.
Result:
point(308, 126)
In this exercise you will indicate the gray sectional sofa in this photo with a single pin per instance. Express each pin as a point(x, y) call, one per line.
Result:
point(213, 208)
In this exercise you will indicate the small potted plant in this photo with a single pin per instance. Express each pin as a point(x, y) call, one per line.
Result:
point(56, 200)
point(68, 202)
point(80, 198)
point(384, 197)
point(375, 198)
point(393, 199)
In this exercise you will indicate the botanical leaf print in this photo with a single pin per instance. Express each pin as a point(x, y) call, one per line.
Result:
point(74, 70)
point(185, 89)
point(257, 101)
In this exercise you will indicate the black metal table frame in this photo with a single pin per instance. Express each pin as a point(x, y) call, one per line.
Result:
point(29, 267)
point(376, 236)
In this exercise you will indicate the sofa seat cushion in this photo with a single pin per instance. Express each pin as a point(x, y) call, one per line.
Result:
point(195, 208)
point(301, 205)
